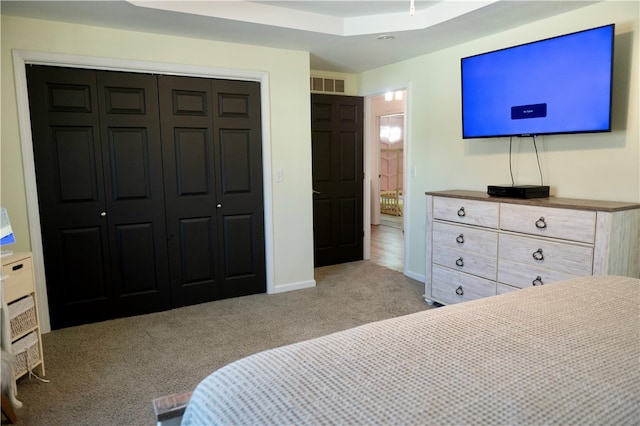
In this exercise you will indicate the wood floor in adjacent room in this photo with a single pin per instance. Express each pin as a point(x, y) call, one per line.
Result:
point(387, 243)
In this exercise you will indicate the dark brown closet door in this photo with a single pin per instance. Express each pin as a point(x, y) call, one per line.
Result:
point(337, 163)
point(99, 176)
point(68, 160)
point(212, 149)
point(132, 159)
point(113, 245)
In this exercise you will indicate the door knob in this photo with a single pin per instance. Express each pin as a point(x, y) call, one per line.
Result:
point(219, 205)
point(103, 214)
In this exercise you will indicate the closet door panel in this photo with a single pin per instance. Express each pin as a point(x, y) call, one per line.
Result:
point(132, 150)
point(130, 168)
point(196, 245)
point(238, 144)
point(83, 265)
point(240, 259)
point(235, 150)
point(67, 147)
point(74, 157)
point(137, 261)
point(190, 188)
point(193, 172)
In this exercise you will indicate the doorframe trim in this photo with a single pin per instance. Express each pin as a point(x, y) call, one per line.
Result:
point(21, 58)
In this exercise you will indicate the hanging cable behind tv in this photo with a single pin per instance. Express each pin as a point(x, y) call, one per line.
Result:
point(520, 191)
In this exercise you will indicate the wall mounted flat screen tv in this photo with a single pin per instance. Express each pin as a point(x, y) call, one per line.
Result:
point(557, 85)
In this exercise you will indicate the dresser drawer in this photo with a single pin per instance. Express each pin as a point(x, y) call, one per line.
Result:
point(450, 287)
point(504, 289)
point(465, 261)
point(470, 212)
point(20, 279)
point(522, 276)
point(465, 238)
point(569, 258)
point(566, 224)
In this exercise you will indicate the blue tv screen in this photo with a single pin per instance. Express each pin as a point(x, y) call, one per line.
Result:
point(557, 85)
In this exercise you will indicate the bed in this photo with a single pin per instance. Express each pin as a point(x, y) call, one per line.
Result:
point(565, 353)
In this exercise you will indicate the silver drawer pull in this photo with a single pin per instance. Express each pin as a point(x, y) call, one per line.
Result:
point(537, 281)
point(460, 239)
point(461, 212)
point(537, 255)
point(540, 223)
point(459, 262)
point(459, 291)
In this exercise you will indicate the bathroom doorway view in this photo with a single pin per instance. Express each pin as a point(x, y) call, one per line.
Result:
point(387, 191)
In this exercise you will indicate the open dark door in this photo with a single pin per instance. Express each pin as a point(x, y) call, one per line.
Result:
point(337, 126)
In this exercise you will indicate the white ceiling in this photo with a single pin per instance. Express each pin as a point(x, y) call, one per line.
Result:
point(341, 36)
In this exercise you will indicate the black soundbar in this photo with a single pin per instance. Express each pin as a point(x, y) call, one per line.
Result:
point(518, 191)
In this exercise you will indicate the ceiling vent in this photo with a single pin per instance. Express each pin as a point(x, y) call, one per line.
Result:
point(327, 85)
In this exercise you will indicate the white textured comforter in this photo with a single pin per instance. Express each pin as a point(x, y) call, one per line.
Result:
point(567, 353)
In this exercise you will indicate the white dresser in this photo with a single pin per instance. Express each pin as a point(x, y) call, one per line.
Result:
point(479, 246)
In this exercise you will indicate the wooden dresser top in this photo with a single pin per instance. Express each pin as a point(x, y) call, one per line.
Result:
point(565, 203)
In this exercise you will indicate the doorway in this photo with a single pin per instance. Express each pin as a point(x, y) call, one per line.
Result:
point(391, 168)
point(387, 147)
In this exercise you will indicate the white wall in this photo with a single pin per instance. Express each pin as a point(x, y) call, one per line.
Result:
point(594, 166)
point(288, 108)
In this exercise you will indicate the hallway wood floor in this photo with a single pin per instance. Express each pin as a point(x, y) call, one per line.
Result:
point(387, 247)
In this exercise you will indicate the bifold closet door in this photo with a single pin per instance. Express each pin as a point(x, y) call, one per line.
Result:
point(139, 216)
point(212, 150)
point(65, 126)
point(132, 158)
point(97, 152)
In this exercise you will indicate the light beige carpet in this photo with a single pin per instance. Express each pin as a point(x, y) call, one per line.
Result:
point(108, 373)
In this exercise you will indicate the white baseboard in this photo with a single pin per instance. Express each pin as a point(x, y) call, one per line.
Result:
point(293, 286)
point(417, 277)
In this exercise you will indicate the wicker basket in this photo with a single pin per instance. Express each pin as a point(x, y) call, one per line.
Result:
point(27, 354)
point(22, 316)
